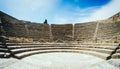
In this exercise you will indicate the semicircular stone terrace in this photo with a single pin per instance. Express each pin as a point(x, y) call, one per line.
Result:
point(98, 38)
point(21, 50)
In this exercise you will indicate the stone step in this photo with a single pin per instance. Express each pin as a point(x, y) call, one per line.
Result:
point(93, 44)
point(30, 46)
point(39, 43)
point(4, 55)
point(100, 44)
point(24, 44)
point(107, 51)
point(28, 53)
point(118, 51)
point(4, 50)
point(2, 47)
point(72, 48)
point(102, 47)
point(116, 56)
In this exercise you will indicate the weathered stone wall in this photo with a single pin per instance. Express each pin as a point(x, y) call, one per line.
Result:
point(12, 27)
point(27, 30)
point(38, 31)
point(114, 18)
point(84, 31)
point(17, 28)
point(62, 32)
point(6, 20)
point(108, 31)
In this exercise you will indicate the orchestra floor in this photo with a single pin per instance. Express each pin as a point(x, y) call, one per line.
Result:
point(59, 61)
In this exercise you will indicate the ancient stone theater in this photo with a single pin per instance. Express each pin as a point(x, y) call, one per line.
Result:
point(20, 39)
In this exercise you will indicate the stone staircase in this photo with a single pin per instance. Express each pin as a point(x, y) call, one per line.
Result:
point(104, 51)
point(21, 50)
point(116, 55)
point(4, 51)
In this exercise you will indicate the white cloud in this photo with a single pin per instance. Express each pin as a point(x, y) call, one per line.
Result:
point(73, 16)
point(24, 5)
point(40, 9)
point(104, 12)
point(89, 14)
point(30, 9)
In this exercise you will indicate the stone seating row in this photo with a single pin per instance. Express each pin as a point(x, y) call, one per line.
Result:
point(21, 51)
point(117, 54)
point(62, 45)
point(97, 54)
point(4, 51)
point(100, 44)
point(31, 48)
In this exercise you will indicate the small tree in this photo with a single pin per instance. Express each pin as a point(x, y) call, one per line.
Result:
point(45, 22)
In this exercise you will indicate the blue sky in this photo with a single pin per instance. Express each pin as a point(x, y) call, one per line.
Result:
point(60, 11)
